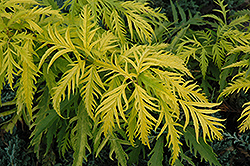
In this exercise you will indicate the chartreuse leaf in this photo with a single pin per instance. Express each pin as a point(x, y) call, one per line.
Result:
point(90, 90)
point(1, 74)
point(70, 82)
point(87, 31)
point(9, 66)
point(34, 26)
point(168, 113)
point(143, 57)
point(139, 18)
point(118, 26)
point(81, 133)
point(116, 146)
point(13, 2)
point(240, 83)
point(117, 69)
point(160, 87)
point(112, 106)
point(202, 147)
point(243, 63)
point(245, 124)
point(64, 45)
point(29, 15)
point(208, 123)
point(131, 125)
point(143, 103)
point(21, 25)
point(169, 123)
point(27, 82)
point(214, 17)
point(173, 136)
point(108, 43)
point(138, 24)
point(108, 69)
point(157, 153)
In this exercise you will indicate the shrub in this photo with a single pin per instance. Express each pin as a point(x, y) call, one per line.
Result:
point(98, 80)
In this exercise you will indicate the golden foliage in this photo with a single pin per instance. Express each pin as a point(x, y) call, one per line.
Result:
point(99, 79)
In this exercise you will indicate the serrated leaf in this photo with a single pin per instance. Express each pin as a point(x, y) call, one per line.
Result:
point(214, 17)
point(26, 88)
point(174, 11)
point(50, 134)
point(135, 151)
point(210, 125)
point(169, 125)
point(83, 131)
point(131, 125)
point(182, 13)
point(90, 89)
point(203, 148)
point(241, 83)
point(115, 146)
point(112, 106)
point(157, 153)
point(87, 31)
point(204, 62)
point(43, 124)
point(245, 124)
point(143, 104)
point(188, 159)
point(69, 81)
point(9, 112)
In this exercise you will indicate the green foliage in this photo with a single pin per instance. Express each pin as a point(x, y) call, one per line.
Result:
point(181, 22)
point(240, 82)
point(202, 6)
point(157, 153)
point(19, 26)
point(203, 148)
point(210, 47)
point(224, 43)
point(100, 80)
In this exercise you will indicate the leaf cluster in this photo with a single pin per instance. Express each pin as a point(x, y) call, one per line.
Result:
point(21, 22)
point(95, 77)
point(209, 49)
point(218, 50)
